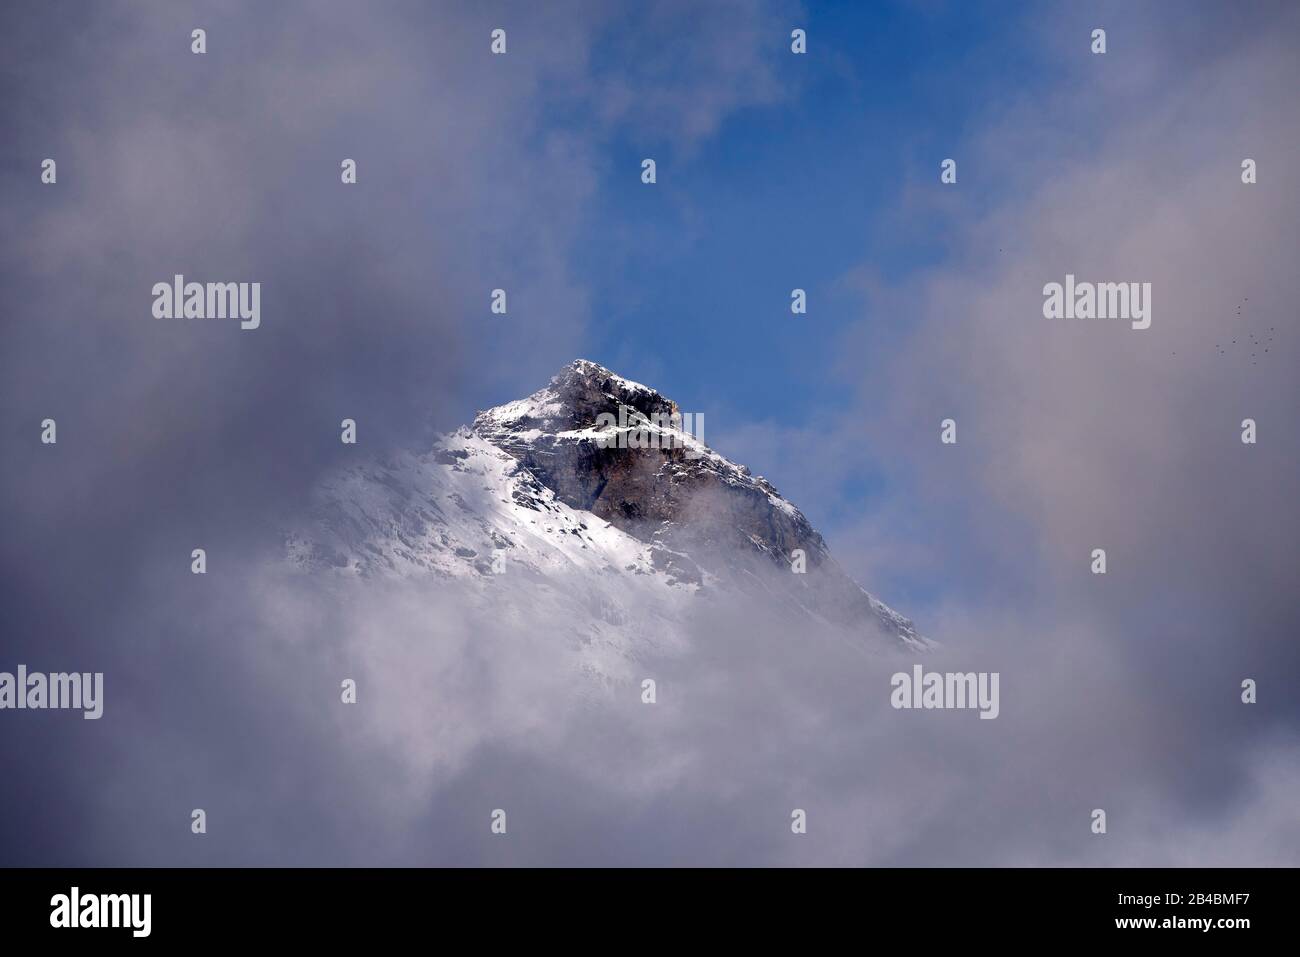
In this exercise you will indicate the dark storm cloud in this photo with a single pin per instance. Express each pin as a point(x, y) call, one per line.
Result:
point(176, 434)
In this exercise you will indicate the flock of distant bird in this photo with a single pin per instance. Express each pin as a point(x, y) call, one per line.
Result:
point(1260, 345)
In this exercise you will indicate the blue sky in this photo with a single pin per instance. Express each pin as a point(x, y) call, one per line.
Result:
point(836, 175)
point(793, 194)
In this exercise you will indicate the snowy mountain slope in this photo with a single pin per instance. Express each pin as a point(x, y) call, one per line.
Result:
point(469, 517)
point(527, 509)
point(450, 511)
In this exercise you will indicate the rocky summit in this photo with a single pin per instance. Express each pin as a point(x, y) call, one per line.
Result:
point(600, 442)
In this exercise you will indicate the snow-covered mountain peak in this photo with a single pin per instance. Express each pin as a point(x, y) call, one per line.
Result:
point(573, 400)
point(621, 450)
point(589, 406)
point(594, 489)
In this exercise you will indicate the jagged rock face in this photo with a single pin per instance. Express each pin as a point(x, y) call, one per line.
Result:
point(679, 494)
point(691, 504)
